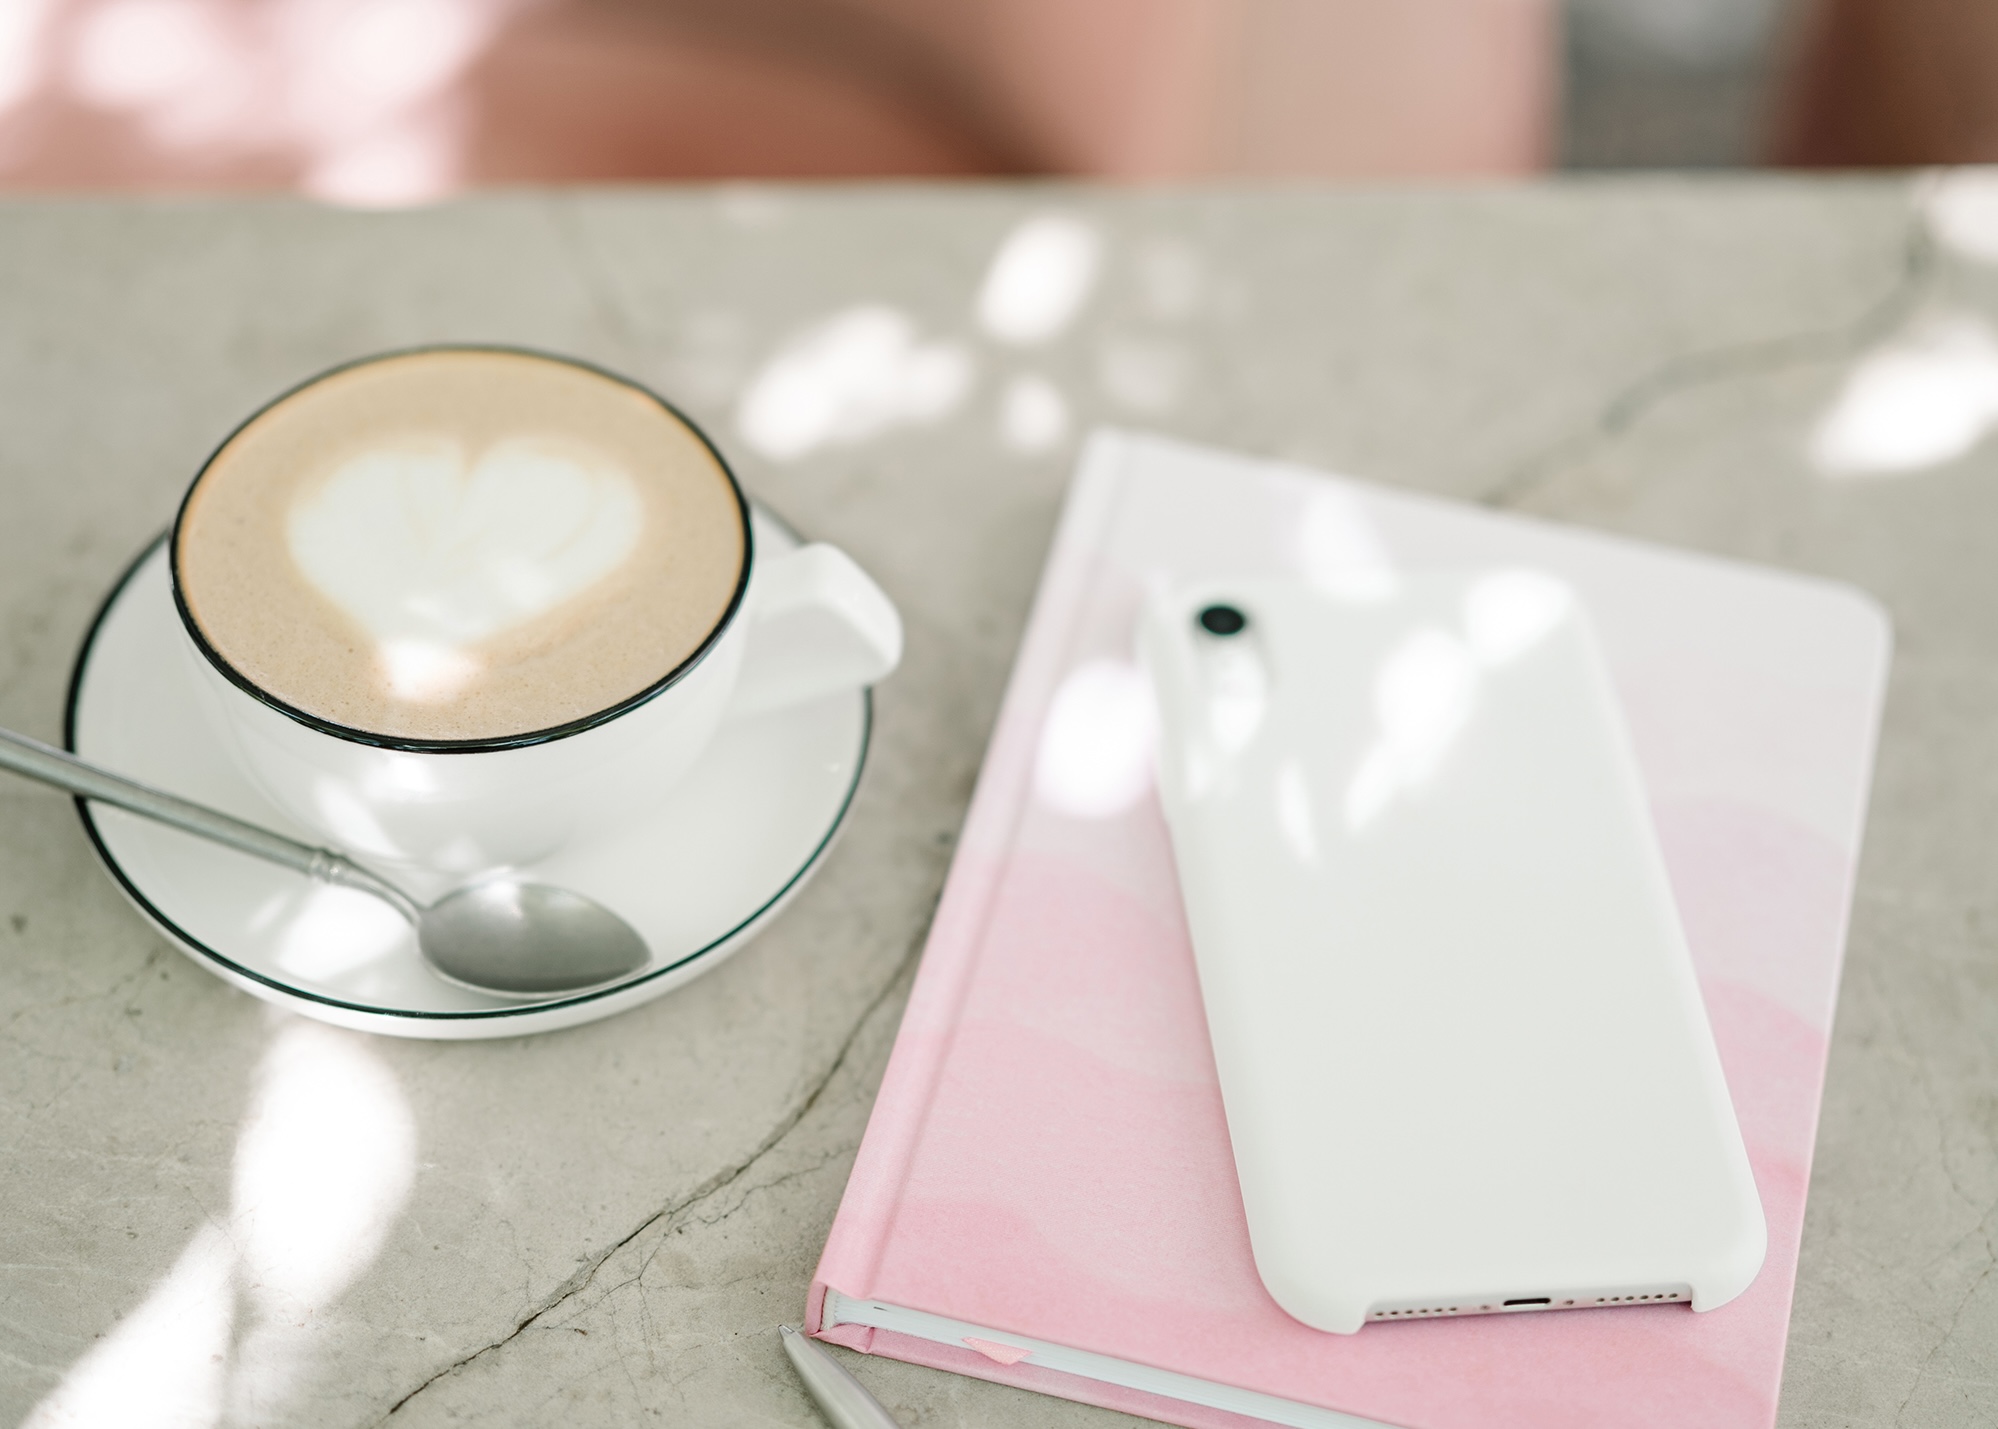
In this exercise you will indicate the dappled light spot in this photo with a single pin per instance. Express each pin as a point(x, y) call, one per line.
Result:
point(1340, 551)
point(332, 933)
point(324, 1162)
point(1507, 613)
point(1962, 210)
point(857, 375)
point(165, 1365)
point(1033, 415)
point(1423, 698)
point(1097, 746)
point(1040, 278)
point(1923, 399)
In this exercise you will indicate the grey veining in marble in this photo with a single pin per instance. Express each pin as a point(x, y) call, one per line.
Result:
point(604, 1226)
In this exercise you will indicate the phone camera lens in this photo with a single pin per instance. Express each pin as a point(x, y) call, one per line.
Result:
point(1222, 620)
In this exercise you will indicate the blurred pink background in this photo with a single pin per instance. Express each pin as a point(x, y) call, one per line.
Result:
point(399, 101)
point(391, 101)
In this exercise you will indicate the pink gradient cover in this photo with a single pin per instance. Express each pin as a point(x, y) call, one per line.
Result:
point(1048, 1157)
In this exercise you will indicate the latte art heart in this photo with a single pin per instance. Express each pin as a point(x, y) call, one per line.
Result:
point(431, 553)
point(459, 545)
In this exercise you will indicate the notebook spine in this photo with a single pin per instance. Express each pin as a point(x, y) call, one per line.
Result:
point(867, 1210)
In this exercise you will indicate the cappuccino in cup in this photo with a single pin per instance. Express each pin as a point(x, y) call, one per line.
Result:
point(457, 608)
point(460, 548)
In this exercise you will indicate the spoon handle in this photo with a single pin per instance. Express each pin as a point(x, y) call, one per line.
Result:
point(65, 771)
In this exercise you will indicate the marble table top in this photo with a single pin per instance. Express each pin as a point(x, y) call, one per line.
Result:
point(604, 1225)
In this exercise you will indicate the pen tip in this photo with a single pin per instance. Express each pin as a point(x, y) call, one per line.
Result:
point(787, 1331)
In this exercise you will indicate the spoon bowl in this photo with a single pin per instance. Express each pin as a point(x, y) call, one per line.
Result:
point(526, 940)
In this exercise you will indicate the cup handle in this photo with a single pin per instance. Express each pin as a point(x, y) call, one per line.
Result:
point(818, 624)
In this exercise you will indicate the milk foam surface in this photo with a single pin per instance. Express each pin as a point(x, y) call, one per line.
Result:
point(460, 545)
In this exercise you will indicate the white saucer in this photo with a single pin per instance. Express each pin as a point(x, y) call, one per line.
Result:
point(697, 878)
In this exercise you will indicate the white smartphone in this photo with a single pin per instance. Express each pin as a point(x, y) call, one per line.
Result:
point(1462, 1051)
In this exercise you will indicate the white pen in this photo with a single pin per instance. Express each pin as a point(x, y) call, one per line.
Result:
point(843, 1399)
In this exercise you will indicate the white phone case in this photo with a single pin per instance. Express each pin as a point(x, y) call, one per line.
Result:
point(1463, 1054)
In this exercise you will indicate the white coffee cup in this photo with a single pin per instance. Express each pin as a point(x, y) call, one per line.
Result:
point(806, 624)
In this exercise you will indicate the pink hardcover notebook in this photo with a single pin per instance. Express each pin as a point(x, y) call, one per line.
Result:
point(1046, 1195)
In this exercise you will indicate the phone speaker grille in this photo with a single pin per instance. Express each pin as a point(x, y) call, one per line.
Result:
point(1535, 1302)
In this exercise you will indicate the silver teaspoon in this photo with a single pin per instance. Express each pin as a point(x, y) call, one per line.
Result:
point(498, 935)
